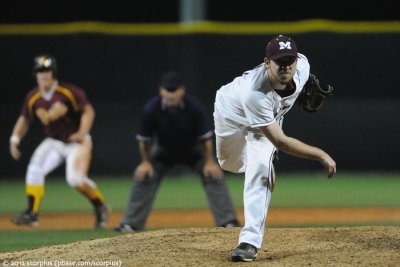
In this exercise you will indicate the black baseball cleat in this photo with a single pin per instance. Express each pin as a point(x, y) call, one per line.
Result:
point(26, 218)
point(124, 228)
point(244, 252)
point(231, 224)
point(102, 213)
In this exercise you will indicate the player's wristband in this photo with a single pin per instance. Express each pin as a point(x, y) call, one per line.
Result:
point(14, 139)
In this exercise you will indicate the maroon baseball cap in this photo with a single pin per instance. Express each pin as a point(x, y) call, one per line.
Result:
point(281, 46)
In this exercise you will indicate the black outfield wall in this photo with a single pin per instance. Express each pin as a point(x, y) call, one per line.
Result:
point(358, 125)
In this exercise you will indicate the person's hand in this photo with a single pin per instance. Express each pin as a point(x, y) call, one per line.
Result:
point(43, 116)
point(329, 164)
point(143, 170)
point(77, 137)
point(14, 151)
point(57, 110)
point(212, 171)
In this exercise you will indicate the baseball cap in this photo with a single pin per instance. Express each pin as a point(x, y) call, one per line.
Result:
point(281, 46)
point(45, 62)
point(171, 81)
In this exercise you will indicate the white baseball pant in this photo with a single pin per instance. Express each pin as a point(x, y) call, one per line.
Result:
point(244, 149)
point(50, 154)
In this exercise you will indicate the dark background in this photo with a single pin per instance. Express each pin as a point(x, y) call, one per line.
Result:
point(21, 11)
point(357, 126)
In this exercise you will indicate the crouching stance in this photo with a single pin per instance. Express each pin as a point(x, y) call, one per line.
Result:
point(67, 117)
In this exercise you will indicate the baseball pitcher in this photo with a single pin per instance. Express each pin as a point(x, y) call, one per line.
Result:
point(248, 118)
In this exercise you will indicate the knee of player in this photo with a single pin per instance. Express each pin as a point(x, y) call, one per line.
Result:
point(223, 164)
point(229, 166)
point(75, 179)
point(35, 175)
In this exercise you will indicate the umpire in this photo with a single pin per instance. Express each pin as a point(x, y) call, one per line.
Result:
point(174, 130)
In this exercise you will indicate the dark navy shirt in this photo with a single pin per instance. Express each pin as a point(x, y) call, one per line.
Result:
point(176, 130)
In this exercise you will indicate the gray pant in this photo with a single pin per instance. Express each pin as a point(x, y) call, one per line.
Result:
point(143, 193)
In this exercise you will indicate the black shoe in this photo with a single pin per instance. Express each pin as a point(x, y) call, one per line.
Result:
point(102, 213)
point(244, 252)
point(124, 228)
point(231, 224)
point(26, 218)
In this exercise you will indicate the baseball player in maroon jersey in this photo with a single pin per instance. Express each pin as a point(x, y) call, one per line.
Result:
point(67, 117)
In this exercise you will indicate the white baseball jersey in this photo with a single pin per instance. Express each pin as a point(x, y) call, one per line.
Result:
point(249, 99)
point(241, 107)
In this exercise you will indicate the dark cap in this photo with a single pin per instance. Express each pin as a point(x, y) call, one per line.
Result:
point(171, 81)
point(281, 46)
point(45, 62)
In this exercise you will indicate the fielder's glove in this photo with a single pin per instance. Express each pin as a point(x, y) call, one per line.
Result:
point(313, 96)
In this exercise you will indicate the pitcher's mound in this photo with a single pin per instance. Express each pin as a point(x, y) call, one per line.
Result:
point(344, 246)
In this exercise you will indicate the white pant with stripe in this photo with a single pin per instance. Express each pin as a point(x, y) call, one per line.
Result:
point(244, 149)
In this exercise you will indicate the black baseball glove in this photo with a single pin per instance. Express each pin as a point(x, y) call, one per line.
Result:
point(313, 96)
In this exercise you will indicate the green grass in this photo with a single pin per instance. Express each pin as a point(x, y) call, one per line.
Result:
point(174, 193)
point(17, 240)
point(344, 190)
point(186, 192)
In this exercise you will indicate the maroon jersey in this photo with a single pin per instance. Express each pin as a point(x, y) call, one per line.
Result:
point(71, 96)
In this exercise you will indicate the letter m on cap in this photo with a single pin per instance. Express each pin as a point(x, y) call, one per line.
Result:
point(284, 45)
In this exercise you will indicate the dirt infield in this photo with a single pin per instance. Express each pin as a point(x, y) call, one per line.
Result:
point(211, 246)
point(194, 218)
point(206, 245)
